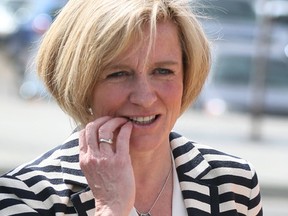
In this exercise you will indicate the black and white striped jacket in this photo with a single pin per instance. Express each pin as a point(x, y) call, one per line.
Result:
point(212, 183)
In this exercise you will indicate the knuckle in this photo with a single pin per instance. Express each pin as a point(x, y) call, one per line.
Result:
point(90, 125)
point(87, 160)
point(101, 130)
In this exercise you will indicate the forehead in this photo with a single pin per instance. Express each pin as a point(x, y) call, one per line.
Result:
point(164, 42)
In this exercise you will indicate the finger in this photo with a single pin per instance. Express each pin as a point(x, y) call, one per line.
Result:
point(106, 132)
point(83, 147)
point(82, 142)
point(91, 135)
point(123, 139)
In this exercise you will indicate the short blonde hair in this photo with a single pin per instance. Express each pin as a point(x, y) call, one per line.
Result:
point(88, 34)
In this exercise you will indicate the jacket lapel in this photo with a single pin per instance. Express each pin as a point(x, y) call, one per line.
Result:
point(200, 197)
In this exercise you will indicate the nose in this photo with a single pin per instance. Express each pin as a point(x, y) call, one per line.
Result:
point(143, 93)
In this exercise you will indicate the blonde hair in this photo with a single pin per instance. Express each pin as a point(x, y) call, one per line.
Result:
point(88, 34)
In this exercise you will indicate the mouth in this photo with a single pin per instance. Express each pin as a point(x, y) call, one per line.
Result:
point(143, 120)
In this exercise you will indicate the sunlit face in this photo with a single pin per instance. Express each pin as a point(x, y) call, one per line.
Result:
point(146, 90)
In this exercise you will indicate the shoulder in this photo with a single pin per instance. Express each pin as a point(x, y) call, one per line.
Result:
point(48, 162)
point(39, 184)
point(230, 180)
point(216, 162)
point(217, 158)
point(46, 166)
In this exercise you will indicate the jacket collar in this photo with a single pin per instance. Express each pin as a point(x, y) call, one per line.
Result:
point(187, 157)
point(200, 196)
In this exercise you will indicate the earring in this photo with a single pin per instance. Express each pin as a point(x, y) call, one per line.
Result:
point(90, 111)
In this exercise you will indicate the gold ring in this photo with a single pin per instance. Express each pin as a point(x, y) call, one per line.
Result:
point(109, 141)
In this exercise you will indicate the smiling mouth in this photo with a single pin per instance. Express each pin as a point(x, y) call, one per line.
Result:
point(143, 120)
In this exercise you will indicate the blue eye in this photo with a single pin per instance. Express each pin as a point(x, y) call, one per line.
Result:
point(163, 71)
point(115, 75)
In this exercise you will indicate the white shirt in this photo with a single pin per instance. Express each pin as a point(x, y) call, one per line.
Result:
point(178, 207)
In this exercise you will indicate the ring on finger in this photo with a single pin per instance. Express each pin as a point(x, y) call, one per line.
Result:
point(103, 140)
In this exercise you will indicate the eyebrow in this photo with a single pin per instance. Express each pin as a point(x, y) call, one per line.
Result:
point(156, 64)
point(168, 63)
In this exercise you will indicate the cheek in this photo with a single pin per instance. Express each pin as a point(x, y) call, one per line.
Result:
point(172, 95)
point(106, 101)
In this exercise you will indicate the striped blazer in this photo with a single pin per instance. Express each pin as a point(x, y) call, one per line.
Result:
point(212, 183)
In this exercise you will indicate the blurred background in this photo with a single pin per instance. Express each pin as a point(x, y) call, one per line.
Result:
point(242, 110)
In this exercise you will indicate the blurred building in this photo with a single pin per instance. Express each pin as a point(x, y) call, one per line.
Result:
point(250, 57)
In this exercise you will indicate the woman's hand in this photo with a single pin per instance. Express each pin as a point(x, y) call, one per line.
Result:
point(107, 167)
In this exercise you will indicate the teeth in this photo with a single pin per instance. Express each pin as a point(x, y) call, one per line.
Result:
point(143, 120)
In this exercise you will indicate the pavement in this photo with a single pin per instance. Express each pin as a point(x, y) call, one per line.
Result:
point(29, 128)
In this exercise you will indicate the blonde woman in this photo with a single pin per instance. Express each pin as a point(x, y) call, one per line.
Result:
point(125, 70)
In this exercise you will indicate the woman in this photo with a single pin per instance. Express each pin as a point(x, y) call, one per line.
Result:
point(125, 70)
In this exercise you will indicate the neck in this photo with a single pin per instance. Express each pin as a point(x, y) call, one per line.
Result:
point(151, 163)
point(151, 174)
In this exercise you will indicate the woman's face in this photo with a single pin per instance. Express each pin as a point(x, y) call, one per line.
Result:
point(144, 89)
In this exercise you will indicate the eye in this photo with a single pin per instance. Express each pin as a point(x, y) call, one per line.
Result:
point(163, 71)
point(117, 75)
